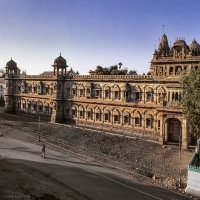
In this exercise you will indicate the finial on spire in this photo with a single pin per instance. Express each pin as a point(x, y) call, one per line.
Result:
point(159, 40)
point(11, 58)
point(163, 29)
point(154, 47)
point(60, 53)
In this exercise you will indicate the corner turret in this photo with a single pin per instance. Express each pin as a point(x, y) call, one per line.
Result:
point(60, 63)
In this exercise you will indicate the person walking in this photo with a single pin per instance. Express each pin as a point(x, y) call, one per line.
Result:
point(43, 151)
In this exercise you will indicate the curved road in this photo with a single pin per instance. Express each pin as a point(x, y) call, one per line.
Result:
point(93, 181)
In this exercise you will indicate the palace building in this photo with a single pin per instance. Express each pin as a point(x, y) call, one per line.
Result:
point(146, 105)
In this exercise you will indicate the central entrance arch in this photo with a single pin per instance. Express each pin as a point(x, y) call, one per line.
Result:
point(174, 128)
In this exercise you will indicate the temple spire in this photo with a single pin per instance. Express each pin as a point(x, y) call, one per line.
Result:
point(163, 29)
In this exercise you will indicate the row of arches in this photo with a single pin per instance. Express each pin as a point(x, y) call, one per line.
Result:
point(173, 70)
point(131, 94)
point(35, 87)
point(141, 119)
point(125, 117)
point(33, 105)
point(127, 92)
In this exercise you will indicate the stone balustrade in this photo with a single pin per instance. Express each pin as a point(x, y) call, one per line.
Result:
point(116, 77)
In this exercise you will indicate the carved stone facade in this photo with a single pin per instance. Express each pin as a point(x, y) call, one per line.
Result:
point(134, 104)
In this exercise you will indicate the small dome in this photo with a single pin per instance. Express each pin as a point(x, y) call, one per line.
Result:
point(180, 43)
point(11, 64)
point(194, 45)
point(60, 61)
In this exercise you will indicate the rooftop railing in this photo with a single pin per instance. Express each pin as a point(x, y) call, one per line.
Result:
point(194, 164)
point(112, 77)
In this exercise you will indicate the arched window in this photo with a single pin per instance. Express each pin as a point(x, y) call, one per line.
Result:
point(89, 114)
point(98, 114)
point(127, 116)
point(149, 121)
point(107, 92)
point(149, 94)
point(138, 119)
point(116, 117)
point(137, 92)
point(81, 112)
point(74, 112)
point(97, 92)
point(107, 116)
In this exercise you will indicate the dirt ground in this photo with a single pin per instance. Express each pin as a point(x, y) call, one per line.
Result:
point(149, 159)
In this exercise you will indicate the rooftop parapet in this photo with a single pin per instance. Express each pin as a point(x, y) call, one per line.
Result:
point(111, 77)
point(37, 76)
point(29, 76)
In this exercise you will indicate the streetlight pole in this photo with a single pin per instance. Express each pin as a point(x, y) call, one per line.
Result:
point(180, 145)
point(163, 128)
point(123, 122)
point(39, 129)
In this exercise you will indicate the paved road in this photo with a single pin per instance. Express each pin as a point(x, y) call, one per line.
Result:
point(93, 181)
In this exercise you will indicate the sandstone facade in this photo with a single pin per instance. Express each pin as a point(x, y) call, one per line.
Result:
point(146, 104)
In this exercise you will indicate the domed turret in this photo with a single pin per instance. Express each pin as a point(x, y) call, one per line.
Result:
point(194, 45)
point(11, 64)
point(194, 48)
point(11, 67)
point(180, 42)
point(180, 48)
point(60, 63)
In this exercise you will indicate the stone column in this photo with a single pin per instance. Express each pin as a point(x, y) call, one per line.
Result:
point(121, 96)
point(166, 130)
point(78, 93)
point(94, 116)
point(161, 131)
point(103, 94)
point(144, 123)
point(143, 97)
point(186, 139)
point(121, 119)
point(156, 96)
point(85, 114)
point(112, 95)
point(103, 116)
point(78, 114)
point(171, 93)
point(112, 118)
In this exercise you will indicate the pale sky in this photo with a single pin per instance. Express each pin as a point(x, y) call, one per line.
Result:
point(92, 32)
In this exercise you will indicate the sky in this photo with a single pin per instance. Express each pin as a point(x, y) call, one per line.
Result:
point(92, 32)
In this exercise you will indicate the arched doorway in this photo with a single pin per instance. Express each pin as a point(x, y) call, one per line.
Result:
point(174, 127)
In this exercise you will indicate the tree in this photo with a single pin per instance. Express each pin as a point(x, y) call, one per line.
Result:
point(190, 102)
point(149, 73)
point(114, 70)
point(99, 70)
point(2, 72)
point(132, 72)
point(120, 64)
point(23, 72)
